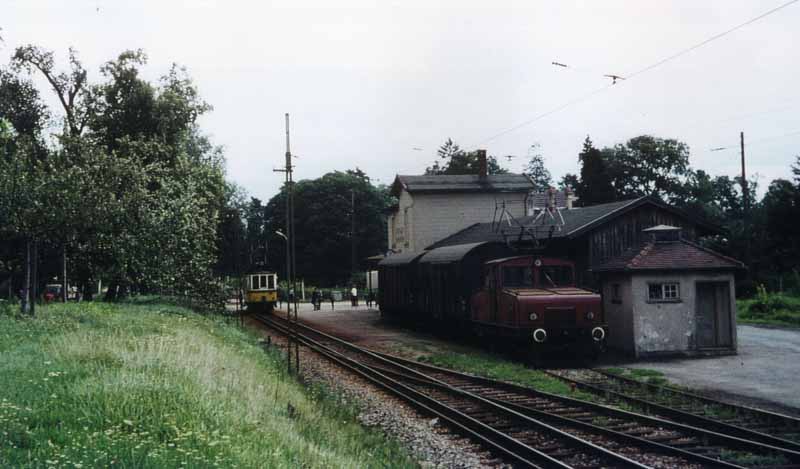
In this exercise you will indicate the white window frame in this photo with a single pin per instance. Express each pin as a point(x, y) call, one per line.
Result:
point(670, 292)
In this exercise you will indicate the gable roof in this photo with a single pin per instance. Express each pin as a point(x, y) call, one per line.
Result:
point(462, 183)
point(576, 222)
point(677, 255)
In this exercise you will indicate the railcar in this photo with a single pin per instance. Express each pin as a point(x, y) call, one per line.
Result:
point(494, 292)
point(261, 291)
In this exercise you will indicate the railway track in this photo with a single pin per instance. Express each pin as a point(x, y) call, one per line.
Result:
point(531, 417)
point(754, 424)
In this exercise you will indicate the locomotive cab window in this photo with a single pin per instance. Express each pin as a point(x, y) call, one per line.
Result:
point(556, 276)
point(517, 276)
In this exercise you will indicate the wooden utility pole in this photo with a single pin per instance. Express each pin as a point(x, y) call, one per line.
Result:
point(745, 209)
point(290, 257)
point(64, 272)
point(35, 274)
point(745, 195)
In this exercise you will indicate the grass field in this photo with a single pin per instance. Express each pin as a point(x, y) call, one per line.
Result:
point(152, 385)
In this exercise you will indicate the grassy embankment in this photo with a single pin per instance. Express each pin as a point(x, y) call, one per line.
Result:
point(152, 385)
point(774, 309)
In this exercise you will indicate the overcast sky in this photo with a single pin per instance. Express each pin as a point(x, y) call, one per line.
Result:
point(367, 83)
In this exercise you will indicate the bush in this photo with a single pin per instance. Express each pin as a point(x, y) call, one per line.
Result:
point(767, 304)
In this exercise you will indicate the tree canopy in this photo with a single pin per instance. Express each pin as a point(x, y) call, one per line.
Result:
point(454, 160)
point(131, 191)
point(324, 212)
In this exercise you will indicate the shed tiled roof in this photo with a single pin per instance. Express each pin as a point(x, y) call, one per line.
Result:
point(462, 183)
point(676, 255)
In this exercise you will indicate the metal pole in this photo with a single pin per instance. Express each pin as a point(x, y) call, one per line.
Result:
point(35, 286)
point(352, 232)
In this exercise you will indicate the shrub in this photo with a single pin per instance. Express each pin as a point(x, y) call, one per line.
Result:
point(767, 304)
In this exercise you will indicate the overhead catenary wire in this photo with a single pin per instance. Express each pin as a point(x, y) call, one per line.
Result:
point(635, 73)
point(758, 141)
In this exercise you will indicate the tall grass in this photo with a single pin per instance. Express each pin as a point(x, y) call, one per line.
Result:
point(152, 385)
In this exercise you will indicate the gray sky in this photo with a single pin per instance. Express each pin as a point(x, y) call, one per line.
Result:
point(366, 82)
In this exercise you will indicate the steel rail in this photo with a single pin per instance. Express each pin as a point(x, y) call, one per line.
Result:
point(681, 416)
point(731, 442)
point(788, 420)
point(483, 432)
point(724, 440)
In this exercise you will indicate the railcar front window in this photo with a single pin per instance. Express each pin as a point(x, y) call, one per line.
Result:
point(556, 276)
point(517, 276)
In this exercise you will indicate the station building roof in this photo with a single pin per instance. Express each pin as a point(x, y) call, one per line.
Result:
point(577, 221)
point(443, 183)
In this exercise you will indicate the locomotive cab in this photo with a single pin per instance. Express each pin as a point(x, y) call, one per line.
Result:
point(535, 300)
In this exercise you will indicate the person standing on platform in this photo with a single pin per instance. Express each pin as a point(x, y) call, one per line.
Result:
point(354, 296)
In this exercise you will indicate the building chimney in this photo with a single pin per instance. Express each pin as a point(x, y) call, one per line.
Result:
point(551, 199)
point(568, 198)
point(483, 167)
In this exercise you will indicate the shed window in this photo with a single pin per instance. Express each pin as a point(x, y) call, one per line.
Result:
point(664, 292)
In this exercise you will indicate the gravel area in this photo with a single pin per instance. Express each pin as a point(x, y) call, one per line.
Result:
point(433, 445)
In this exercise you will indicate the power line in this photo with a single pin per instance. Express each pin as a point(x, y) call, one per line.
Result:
point(759, 140)
point(712, 38)
point(636, 73)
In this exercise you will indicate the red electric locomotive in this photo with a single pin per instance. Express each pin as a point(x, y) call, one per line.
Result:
point(534, 299)
point(528, 299)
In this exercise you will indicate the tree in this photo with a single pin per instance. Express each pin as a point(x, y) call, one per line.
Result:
point(323, 220)
point(595, 184)
point(569, 181)
point(70, 87)
point(536, 170)
point(457, 161)
point(648, 165)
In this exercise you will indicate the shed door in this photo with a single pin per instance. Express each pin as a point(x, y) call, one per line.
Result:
point(713, 315)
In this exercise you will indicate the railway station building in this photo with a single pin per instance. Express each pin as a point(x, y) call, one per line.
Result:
point(432, 207)
point(663, 292)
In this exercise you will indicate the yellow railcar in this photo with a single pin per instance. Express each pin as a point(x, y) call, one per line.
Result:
point(262, 291)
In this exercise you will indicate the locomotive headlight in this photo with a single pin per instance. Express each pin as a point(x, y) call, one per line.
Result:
point(533, 316)
point(590, 316)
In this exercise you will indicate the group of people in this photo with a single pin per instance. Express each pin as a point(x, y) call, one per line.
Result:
point(317, 297)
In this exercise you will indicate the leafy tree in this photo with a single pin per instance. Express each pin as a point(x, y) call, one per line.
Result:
point(595, 184)
point(457, 161)
point(70, 87)
point(569, 181)
point(256, 237)
point(323, 220)
point(648, 165)
point(536, 170)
